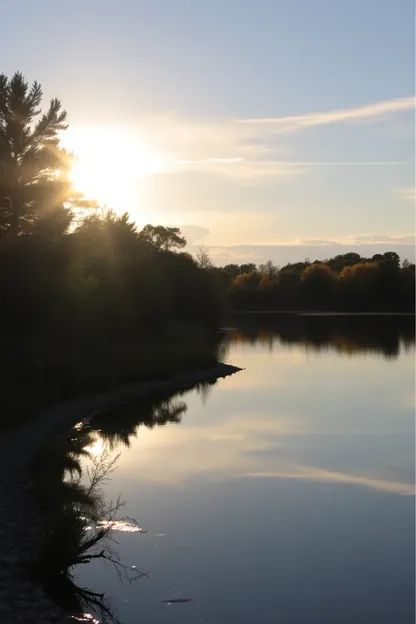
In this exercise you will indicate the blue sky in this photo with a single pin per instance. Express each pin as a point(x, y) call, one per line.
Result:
point(272, 116)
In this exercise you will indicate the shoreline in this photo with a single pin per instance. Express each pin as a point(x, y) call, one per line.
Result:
point(317, 313)
point(21, 599)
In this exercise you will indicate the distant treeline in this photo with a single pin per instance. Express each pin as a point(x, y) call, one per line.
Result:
point(346, 282)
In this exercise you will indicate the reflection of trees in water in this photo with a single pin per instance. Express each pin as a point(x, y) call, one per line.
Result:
point(204, 390)
point(117, 426)
point(79, 521)
point(79, 526)
point(345, 334)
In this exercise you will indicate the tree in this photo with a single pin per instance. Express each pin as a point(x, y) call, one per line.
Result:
point(163, 238)
point(247, 280)
point(108, 235)
point(318, 284)
point(360, 285)
point(343, 260)
point(35, 190)
point(390, 261)
point(203, 259)
point(232, 270)
point(249, 267)
point(269, 271)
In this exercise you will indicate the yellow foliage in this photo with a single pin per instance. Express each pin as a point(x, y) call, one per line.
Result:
point(318, 269)
point(265, 280)
point(242, 279)
point(361, 270)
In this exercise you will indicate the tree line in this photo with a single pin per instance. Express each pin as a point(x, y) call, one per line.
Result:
point(347, 282)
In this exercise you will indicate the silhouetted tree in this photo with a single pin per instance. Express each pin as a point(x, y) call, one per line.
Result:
point(163, 238)
point(269, 270)
point(203, 259)
point(318, 286)
point(35, 192)
point(232, 270)
point(343, 260)
point(249, 267)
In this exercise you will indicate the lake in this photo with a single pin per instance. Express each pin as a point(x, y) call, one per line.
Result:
point(281, 494)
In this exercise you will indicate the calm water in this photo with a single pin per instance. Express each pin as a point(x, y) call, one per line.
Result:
point(284, 494)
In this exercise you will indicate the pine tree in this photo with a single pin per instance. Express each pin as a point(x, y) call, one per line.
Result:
point(36, 194)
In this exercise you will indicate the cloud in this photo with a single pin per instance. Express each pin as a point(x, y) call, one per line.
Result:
point(230, 255)
point(319, 241)
point(247, 171)
point(395, 239)
point(362, 239)
point(407, 193)
point(258, 171)
point(193, 233)
point(315, 249)
point(357, 114)
point(225, 160)
point(245, 149)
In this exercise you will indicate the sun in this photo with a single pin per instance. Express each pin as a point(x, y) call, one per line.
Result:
point(109, 165)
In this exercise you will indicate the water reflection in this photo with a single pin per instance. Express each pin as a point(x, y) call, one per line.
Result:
point(294, 478)
point(348, 335)
point(80, 524)
point(80, 521)
point(121, 426)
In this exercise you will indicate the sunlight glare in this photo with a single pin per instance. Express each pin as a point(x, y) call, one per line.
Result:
point(109, 165)
point(96, 448)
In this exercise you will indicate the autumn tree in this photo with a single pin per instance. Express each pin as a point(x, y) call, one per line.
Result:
point(36, 194)
point(342, 260)
point(359, 285)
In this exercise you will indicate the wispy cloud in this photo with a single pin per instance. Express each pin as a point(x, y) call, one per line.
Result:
point(395, 239)
point(227, 255)
point(362, 239)
point(245, 150)
point(248, 171)
point(319, 241)
point(258, 171)
point(360, 113)
point(407, 193)
point(225, 160)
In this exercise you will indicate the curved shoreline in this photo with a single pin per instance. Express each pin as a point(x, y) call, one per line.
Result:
point(21, 599)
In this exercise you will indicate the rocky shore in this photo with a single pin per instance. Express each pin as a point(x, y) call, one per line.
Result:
point(21, 599)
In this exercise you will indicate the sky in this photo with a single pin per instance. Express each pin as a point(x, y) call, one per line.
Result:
point(278, 129)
